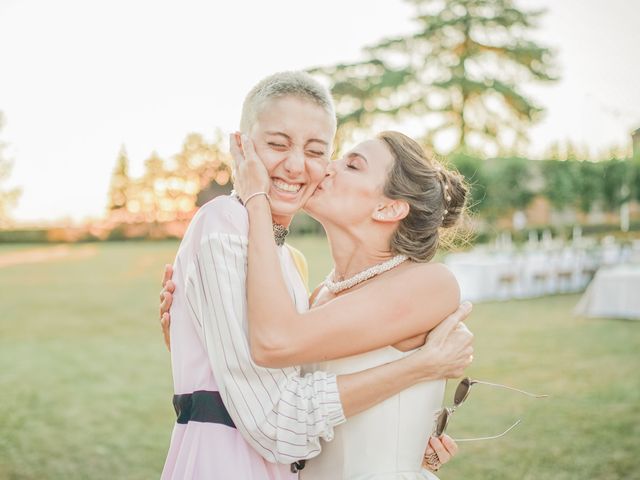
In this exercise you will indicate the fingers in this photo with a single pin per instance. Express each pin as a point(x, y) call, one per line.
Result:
point(248, 148)
point(236, 151)
point(167, 300)
point(165, 322)
point(450, 444)
point(168, 273)
point(451, 322)
point(443, 454)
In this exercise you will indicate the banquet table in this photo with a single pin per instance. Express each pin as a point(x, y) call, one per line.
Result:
point(613, 293)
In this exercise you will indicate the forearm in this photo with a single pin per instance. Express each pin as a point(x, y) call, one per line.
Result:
point(361, 391)
point(270, 306)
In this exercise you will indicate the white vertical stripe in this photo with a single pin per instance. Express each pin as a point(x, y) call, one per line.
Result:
point(281, 414)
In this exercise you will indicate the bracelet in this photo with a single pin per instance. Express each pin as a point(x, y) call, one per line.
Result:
point(255, 195)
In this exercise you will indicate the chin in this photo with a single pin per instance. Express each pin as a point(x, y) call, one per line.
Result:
point(313, 208)
point(279, 207)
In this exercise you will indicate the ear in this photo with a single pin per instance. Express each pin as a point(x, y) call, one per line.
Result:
point(392, 211)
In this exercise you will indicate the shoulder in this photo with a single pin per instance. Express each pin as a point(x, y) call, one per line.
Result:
point(434, 280)
point(435, 271)
point(223, 214)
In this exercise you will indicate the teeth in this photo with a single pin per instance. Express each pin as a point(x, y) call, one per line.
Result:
point(287, 187)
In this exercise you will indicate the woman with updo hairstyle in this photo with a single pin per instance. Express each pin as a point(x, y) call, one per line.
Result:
point(436, 197)
point(383, 205)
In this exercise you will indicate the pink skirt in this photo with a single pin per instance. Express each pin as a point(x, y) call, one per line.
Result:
point(210, 451)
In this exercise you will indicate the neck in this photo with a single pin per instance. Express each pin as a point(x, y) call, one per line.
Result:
point(355, 250)
point(284, 220)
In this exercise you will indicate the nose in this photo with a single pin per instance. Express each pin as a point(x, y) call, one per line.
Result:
point(330, 171)
point(294, 163)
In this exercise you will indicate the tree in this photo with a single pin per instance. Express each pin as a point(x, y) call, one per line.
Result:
point(206, 165)
point(615, 183)
point(589, 184)
point(511, 185)
point(153, 187)
point(457, 73)
point(8, 196)
point(560, 182)
point(120, 182)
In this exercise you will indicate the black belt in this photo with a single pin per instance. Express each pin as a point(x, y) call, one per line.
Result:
point(201, 406)
point(207, 407)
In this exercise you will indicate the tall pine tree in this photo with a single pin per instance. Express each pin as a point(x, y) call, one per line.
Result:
point(120, 182)
point(8, 196)
point(458, 75)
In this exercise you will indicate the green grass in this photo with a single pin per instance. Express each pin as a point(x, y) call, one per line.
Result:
point(86, 383)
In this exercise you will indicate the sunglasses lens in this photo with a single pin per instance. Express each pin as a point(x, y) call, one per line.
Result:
point(461, 392)
point(443, 419)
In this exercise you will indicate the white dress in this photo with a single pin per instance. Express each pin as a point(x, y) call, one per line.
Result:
point(386, 442)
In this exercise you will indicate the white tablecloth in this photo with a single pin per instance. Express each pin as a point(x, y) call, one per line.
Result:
point(503, 276)
point(613, 293)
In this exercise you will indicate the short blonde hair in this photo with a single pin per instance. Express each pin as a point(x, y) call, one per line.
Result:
point(284, 84)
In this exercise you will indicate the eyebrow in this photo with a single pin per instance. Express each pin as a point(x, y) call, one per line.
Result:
point(356, 154)
point(279, 133)
point(282, 134)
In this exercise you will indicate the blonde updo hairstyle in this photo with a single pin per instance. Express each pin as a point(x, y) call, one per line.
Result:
point(435, 194)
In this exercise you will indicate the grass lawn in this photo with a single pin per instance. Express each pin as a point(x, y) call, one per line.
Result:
point(86, 384)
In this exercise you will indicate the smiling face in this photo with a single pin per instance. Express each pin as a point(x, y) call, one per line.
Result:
point(353, 186)
point(293, 137)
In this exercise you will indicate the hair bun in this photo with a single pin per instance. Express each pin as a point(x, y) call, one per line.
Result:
point(455, 195)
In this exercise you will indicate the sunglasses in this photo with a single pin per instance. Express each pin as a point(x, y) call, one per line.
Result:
point(460, 395)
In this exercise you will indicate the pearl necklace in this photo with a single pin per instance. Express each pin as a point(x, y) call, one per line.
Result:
point(337, 287)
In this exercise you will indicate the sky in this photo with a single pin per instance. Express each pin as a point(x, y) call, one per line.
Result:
point(79, 79)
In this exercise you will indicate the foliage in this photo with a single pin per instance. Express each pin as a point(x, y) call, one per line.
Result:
point(560, 183)
point(616, 189)
point(500, 185)
point(458, 73)
point(120, 182)
point(168, 190)
point(634, 179)
point(8, 196)
point(589, 184)
point(510, 186)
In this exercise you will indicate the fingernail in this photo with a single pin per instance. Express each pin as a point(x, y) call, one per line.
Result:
point(467, 305)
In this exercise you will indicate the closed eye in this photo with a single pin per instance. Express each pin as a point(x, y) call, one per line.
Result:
point(277, 145)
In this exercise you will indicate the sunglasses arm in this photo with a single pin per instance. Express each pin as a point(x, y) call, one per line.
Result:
point(535, 395)
point(488, 438)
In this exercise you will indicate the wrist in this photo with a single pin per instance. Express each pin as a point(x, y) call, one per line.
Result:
point(425, 366)
point(259, 193)
point(257, 202)
point(258, 205)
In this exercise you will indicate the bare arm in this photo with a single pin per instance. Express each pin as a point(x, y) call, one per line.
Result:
point(445, 355)
point(391, 309)
point(281, 413)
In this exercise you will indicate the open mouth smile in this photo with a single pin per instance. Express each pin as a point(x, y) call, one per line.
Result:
point(286, 187)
